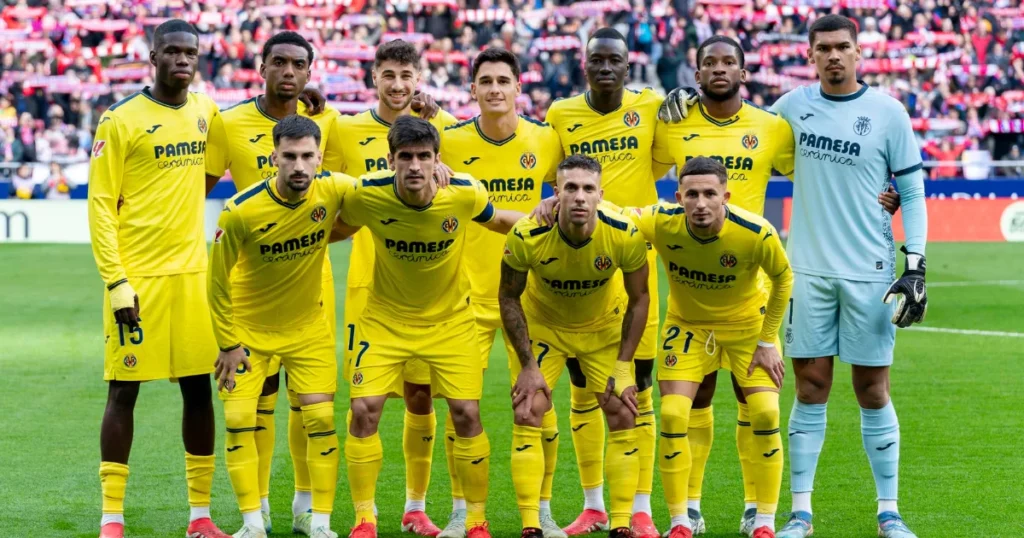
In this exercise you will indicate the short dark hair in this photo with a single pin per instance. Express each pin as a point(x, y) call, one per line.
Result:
point(721, 39)
point(296, 127)
point(832, 23)
point(580, 161)
point(399, 51)
point(412, 131)
point(608, 33)
point(702, 166)
point(171, 27)
point(498, 55)
point(287, 38)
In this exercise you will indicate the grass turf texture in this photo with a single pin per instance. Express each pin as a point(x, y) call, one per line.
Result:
point(957, 400)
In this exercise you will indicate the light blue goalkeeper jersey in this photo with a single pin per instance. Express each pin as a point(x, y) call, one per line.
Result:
point(847, 149)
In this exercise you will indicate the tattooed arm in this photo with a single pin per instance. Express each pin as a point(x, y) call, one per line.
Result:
point(513, 284)
point(635, 319)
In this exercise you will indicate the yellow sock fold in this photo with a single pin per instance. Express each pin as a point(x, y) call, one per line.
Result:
point(473, 463)
point(549, 432)
point(449, 452)
point(322, 454)
point(418, 445)
point(264, 435)
point(622, 465)
point(528, 472)
point(199, 478)
point(365, 456)
point(674, 462)
point(297, 442)
point(646, 434)
point(587, 422)
point(767, 459)
point(744, 446)
point(113, 481)
point(701, 434)
point(240, 452)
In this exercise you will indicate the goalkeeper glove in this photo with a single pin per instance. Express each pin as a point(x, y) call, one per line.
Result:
point(909, 292)
point(122, 296)
point(677, 103)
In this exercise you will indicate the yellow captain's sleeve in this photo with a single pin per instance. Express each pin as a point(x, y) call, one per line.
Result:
point(784, 158)
point(227, 243)
point(517, 255)
point(217, 156)
point(110, 149)
point(775, 264)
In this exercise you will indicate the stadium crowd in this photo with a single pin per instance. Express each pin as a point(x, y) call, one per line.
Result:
point(958, 66)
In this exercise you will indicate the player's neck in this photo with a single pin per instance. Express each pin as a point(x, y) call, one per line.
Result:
point(576, 234)
point(276, 108)
point(286, 193)
point(170, 96)
point(389, 114)
point(420, 198)
point(846, 87)
point(605, 102)
point(498, 127)
point(710, 231)
point(722, 109)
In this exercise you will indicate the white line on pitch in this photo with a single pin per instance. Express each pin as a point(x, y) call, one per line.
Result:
point(965, 331)
point(963, 283)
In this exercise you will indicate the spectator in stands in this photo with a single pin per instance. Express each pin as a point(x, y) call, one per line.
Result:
point(57, 186)
point(1016, 171)
point(945, 151)
point(23, 186)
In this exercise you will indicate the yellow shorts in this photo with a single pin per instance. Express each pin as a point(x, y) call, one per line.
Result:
point(488, 321)
point(384, 347)
point(415, 372)
point(596, 352)
point(307, 355)
point(688, 353)
point(648, 348)
point(175, 335)
point(327, 301)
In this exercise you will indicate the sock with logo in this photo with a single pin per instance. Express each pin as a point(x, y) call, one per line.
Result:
point(113, 481)
point(264, 436)
point(806, 437)
point(297, 449)
point(199, 478)
point(418, 445)
point(674, 447)
point(622, 465)
point(449, 451)
point(528, 472)
point(767, 460)
point(364, 455)
point(587, 422)
point(646, 434)
point(880, 430)
point(549, 434)
point(701, 434)
point(322, 454)
point(473, 462)
point(744, 447)
point(240, 452)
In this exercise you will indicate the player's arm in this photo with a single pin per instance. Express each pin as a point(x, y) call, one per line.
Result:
point(342, 230)
point(776, 265)
point(502, 221)
point(217, 160)
point(633, 323)
point(661, 154)
point(334, 158)
point(514, 271)
point(784, 159)
point(227, 242)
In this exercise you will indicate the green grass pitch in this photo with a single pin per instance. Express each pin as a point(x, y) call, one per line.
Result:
point(958, 397)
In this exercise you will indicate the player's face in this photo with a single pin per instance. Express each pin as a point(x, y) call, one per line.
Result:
point(297, 160)
point(835, 56)
point(607, 64)
point(702, 196)
point(495, 88)
point(396, 82)
point(414, 166)
point(579, 191)
point(175, 58)
point(720, 74)
point(286, 71)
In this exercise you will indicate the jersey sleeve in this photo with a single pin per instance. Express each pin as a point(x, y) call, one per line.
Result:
point(353, 208)
point(483, 210)
point(217, 156)
point(342, 185)
point(517, 255)
point(904, 156)
point(554, 145)
point(644, 218)
point(661, 153)
point(110, 148)
point(781, 107)
point(775, 264)
point(634, 252)
point(227, 243)
point(902, 150)
point(334, 157)
point(784, 158)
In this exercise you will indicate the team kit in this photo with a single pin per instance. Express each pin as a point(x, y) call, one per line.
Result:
point(452, 244)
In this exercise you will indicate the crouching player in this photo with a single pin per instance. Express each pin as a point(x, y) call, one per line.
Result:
point(575, 306)
point(265, 295)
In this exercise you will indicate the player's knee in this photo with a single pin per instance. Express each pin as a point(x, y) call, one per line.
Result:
point(675, 412)
point(706, 391)
point(871, 393)
point(365, 416)
point(644, 373)
point(465, 416)
point(239, 415)
point(764, 410)
point(538, 408)
point(196, 390)
point(417, 399)
point(813, 388)
point(271, 385)
point(121, 395)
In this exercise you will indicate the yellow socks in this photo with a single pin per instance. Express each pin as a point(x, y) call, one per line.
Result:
point(549, 432)
point(240, 452)
point(322, 455)
point(199, 477)
point(418, 445)
point(744, 446)
point(365, 456)
point(449, 451)
point(766, 460)
point(587, 422)
point(528, 472)
point(113, 481)
point(264, 436)
point(297, 442)
point(473, 464)
point(646, 432)
point(622, 465)
point(701, 434)
point(675, 451)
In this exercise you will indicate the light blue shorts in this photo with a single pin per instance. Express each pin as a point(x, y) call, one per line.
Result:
point(833, 316)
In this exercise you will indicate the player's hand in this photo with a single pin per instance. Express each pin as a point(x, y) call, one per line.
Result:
point(677, 103)
point(125, 304)
point(910, 292)
point(227, 365)
point(529, 382)
point(769, 359)
point(443, 175)
point(627, 395)
point(545, 211)
point(424, 105)
point(890, 200)
point(315, 101)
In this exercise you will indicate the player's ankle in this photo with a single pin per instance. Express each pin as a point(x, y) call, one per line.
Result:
point(112, 518)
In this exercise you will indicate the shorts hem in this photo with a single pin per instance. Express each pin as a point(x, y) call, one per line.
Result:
point(799, 355)
point(868, 363)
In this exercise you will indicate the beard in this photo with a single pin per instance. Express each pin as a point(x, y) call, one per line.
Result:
point(725, 96)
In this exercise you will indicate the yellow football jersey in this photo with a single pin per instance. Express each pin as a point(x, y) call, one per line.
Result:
point(147, 186)
point(267, 259)
point(576, 287)
point(418, 275)
point(358, 145)
point(241, 141)
point(513, 171)
point(620, 140)
point(749, 144)
point(713, 282)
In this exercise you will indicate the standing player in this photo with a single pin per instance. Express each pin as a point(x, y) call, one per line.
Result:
point(147, 164)
point(576, 306)
point(418, 308)
point(358, 145)
point(265, 293)
point(513, 156)
point(850, 141)
point(241, 141)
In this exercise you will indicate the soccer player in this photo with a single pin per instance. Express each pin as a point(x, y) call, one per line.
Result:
point(575, 306)
point(718, 316)
point(240, 141)
point(418, 308)
point(358, 145)
point(265, 294)
point(513, 156)
point(850, 140)
point(146, 226)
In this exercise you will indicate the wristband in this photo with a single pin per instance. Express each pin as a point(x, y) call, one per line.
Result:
point(623, 376)
point(121, 296)
point(762, 343)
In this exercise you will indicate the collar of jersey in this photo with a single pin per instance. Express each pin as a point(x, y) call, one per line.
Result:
point(569, 242)
point(272, 191)
point(149, 95)
point(256, 103)
point(721, 123)
point(586, 97)
point(844, 98)
point(479, 131)
point(701, 240)
point(378, 119)
point(394, 187)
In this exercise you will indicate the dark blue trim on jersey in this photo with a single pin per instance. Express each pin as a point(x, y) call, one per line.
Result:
point(672, 212)
point(611, 222)
point(756, 228)
point(486, 215)
point(586, 97)
point(540, 230)
point(246, 195)
point(460, 182)
point(910, 170)
point(270, 191)
point(570, 243)
point(236, 105)
point(845, 98)
point(256, 101)
point(699, 239)
point(533, 121)
point(373, 114)
point(762, 109)
point(380, 182)
point(720, 123)
point(480, 132)
point(394, 188)
point(125, 100)
point(149, 95)
point(462, 123)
